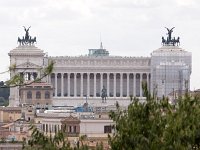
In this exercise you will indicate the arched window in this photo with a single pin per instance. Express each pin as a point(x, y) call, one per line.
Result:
point(29, 95)
point(47, 95)
point(38, 95)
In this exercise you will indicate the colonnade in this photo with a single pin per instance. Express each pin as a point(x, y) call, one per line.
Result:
point(49, 127)
point(91, 84)
point(29, 76)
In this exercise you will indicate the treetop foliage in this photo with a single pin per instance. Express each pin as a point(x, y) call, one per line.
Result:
point(157, 124)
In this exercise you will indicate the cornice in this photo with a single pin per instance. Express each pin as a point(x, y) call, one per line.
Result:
point(102, 63)
point(26, 50)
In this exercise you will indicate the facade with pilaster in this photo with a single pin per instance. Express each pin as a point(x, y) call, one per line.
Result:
point(85, 76)
point(77, 79)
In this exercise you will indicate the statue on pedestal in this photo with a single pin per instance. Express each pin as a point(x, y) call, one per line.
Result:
point(27, 33)
point(169, 32)
point(27, 40)
point(170, 41)
point(103, 94)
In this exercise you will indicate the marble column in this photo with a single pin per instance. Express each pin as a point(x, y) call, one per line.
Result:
point(68, 84)
point(56, 84)
point(141, 84)
point(95, 84)
point(101, 81)
point(62, 85)
point(134, 84)
point(114, 87)
point(31, 76)
point(39, 74)
point(88, 84)
point(49, 78)
point(82, 84)
point(148, 81)
point(75, 85)
point(108, 84)
point(127, 75)
point(121, 84)
point(25, 76)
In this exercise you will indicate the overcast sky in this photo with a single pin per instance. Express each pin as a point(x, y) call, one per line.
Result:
point(126, 27)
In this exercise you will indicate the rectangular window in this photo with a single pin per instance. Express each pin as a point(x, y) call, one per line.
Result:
point(107, 129)
point(37, 87)
point(70, 129)
point(47, 86)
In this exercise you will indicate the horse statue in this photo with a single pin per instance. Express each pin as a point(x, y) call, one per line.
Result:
point(19, 41)
point(163, 41)
point(103, 94)
point(173, 41)
point(178, 41)
point(27, 39)
point(169, 41)
point(32, 41)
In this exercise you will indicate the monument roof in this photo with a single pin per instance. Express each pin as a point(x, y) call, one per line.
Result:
point(26, 50)
point(169, 50)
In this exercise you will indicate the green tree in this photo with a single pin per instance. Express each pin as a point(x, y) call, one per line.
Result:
point(157, 124)
point(40, 141)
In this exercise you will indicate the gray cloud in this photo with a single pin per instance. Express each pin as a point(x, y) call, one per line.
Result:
point(128, 27)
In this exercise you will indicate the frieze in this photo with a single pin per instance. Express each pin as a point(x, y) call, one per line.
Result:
point(102, 70)
point(88, 61)
point(28, 65)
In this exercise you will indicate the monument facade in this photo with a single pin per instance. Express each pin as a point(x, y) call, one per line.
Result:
point(80, 78)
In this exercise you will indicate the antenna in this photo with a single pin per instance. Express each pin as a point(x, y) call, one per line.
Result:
point(101, 45)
